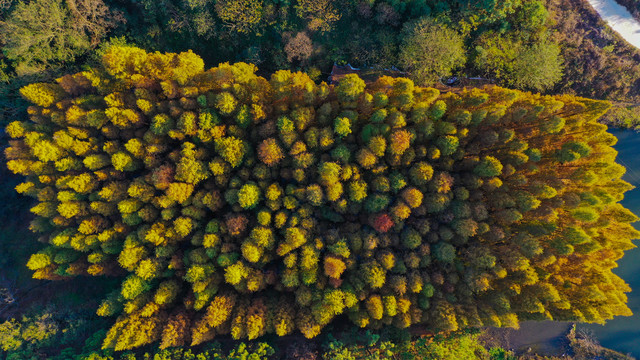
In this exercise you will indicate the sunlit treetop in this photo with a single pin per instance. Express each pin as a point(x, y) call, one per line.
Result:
point(232, 204)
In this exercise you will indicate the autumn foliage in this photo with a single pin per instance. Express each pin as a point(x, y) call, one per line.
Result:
point(233, 204)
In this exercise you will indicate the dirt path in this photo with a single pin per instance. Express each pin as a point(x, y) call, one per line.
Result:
point(547, 338)
point(619, 19)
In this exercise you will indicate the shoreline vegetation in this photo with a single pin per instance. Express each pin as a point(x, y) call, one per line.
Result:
point(134, 161)
point(595, 61)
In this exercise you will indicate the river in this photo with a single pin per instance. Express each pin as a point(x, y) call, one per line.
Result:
point(623, 333)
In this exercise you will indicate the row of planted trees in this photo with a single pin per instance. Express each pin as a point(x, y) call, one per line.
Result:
point(232, 204)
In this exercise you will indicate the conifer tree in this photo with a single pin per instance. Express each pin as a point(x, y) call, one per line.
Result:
point(233, 204)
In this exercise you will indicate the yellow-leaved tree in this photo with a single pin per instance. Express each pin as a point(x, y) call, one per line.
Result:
point(239, 205)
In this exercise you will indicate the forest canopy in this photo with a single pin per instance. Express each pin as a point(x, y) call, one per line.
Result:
point(233, 204)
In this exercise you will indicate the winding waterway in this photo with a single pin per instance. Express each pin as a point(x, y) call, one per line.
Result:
point(623, 333)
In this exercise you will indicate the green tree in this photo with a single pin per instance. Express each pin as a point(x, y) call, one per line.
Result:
point(430, 51)
point(536, 66)
point(350, 88)
point(43, 33)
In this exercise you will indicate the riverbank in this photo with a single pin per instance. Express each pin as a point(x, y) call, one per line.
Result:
point(599, 63)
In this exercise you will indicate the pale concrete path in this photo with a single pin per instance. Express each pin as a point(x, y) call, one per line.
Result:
point(619, 19)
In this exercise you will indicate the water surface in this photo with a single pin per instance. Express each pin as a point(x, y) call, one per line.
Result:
point(619, 19)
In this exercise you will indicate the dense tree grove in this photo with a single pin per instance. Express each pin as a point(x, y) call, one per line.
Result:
point(44, 39)
point(233, 204)
point(632, 5)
